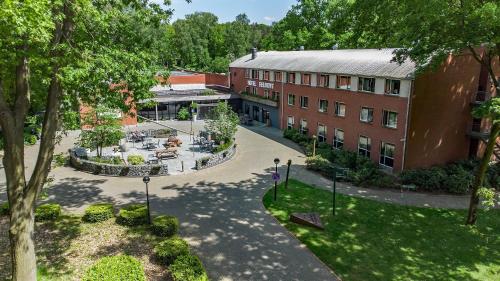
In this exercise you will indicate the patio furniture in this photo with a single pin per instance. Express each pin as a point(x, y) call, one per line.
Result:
point(150, 144)
point(166, 154)
point(152, 159)
point(174, 140)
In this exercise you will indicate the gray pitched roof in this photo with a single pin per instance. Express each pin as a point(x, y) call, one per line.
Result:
point(356, 62)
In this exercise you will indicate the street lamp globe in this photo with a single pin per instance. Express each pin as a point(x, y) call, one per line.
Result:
point(276, 161)
point(146, 179)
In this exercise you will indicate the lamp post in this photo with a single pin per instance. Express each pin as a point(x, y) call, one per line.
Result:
point(314, 145)
point(276, 162)
point(334, 188)
point(146, 180)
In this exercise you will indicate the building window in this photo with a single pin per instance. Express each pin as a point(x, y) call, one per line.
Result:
point(321, 133)
point(247, 73)
point(255, 74)
point(364, 146)
point(266, 93)
point(247, 90)
point(304, 102)
point(291, 99)
point(323, 106)
point(338, 139)
point(387, 154)
point(366, 115)
point(390, 119)
point(392, 87)
point(291, 77)
point(306, 79)
point(277, 76)
point(324, 81)
point(366, 84)
point(303, 126)
point(340, 109)
point(266, 75)
point(276, 96)
point(344, 82)
point(254, 91)
point(290, 122)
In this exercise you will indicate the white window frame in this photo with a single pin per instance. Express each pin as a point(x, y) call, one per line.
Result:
point(326, 106)
point(384, 119)
point(346, 87)
point(288, 124)
point(338, 143)
point(370, 109)
point(361, 84)
point(303, 129)
point(367, 151)
point(337, 107)
point(326, 80)
point(293, 99)
point(389, 87)
point(321, 138)
point(384, 157)
point(302, 99)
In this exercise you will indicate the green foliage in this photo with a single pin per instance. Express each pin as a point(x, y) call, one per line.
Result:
point(168, 250)
point(188, 268)
point(320, 164)
point(2, 144)
point(222, 147)
point(29, 139)
point(71, 120)
point(487, 196)
point(296, 136)
point(458, 179)
point(222, 122)
point(116, 268)
point(98, 212)
point(47, 212)
point(114, 160)
point(135, 214)
point(183, 114)
point(60, 159)
point(165, 226)
point(4, 209)
point(135, 160)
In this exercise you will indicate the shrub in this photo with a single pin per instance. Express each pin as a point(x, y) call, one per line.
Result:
point(168, 250)
point(165, 226)
point(47, 212)
point(4, 209)
point(429, 179)
point(188, 268)
point(60, 159)
point(98, 212)
point(320, 164)
point(222, 147)
point(114, 160)
point(29, 139)
point(458, 180)
point(135, 214)
point(183, 114)
point(117, 268)
point(135, 160)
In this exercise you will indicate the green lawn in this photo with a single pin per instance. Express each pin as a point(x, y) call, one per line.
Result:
point(369, 240)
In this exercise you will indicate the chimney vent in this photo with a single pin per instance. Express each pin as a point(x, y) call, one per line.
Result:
point(254, 53)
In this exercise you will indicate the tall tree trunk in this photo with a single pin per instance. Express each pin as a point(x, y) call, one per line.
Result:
point(481, 172)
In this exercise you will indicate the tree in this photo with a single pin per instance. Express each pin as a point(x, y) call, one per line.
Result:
point(55, 53)
point(104, 129)
point(428, 32)
point(222, 122)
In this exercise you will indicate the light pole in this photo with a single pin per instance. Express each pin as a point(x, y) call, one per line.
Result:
point(146, 180)
point(334, 188)
point(314, 145)
point(276, 162)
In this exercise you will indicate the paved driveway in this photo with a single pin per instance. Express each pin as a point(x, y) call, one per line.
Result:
point(220, 210)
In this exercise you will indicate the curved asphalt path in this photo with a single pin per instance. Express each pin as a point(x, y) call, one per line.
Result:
point(220, 209)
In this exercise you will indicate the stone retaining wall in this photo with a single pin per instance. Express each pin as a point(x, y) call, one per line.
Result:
point(117, 170)
point(216, 159)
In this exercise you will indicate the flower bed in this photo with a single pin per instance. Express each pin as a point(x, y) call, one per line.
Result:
point(117, 170)
point(216, 159)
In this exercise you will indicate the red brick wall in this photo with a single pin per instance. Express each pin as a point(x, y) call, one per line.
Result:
point(199, 78)
point(217, 79)
point(351, 125)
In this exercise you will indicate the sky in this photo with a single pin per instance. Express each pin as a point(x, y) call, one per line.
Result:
point(261, 11)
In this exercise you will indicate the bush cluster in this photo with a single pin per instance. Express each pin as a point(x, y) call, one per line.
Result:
point(29, 139)
point(114, 160)
point(183, 114)
point(188, 268)
point(135, 160)
point(117, 268)
point(454, 178)
point(296, 136)
point(47, 212)
point(167, 251)
point(135, 214)
point(4, 209)
point(222, 147)
point(165, 226)
point(98, 212)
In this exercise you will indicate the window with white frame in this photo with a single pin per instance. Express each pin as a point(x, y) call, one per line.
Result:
point(254, 91)
point(291, 78)
point(324, 81)
point(275, 96)
point(304, 102)
point(390, 119)
point(306, 79)
point(321, 133)
point(338, 139)
point(255, 74)
point(266, 93)
point(278, 76)
point(290, 122)
point(323, 106)
point(344, 82)
point(366, 84)
point(247, 73)
point(266, 75)
point(303, 126)
point(392, 87)
point(291, 99)
point(364, 146)
point(366, 114)
point(340, 109)
point(387, 154)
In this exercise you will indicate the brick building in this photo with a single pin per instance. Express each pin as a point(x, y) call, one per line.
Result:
point(361, 101)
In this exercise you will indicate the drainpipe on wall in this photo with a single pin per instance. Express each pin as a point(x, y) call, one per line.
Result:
point(408, 105)
point(282, 98)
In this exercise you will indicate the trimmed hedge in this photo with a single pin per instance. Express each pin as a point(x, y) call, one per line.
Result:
point(4, 209)
point(47, 212)
point(135, 214)
point(168, 250)
point(98, 212)
point(117, 268)
point(188, 268)
point(135, 160)
point(165, 226)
